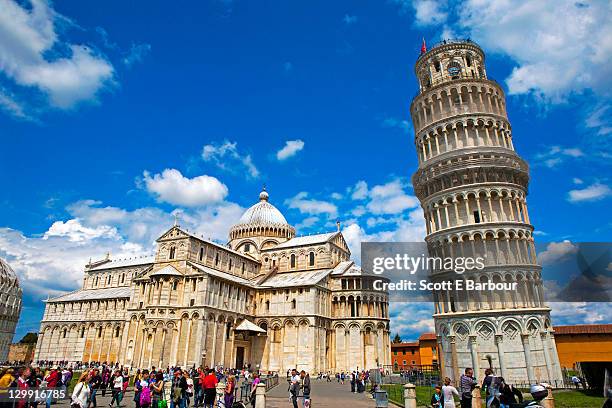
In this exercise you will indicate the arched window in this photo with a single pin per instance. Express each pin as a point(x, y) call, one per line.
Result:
point(64, 334)
point(99, 331)
point(267, 305)
point(117, 331)
point(311, 259)
point(172, 252)
point(201, 256)
point(216, 259)
point(468, 60)
point(293, 260)
point(82, 332)
point(122, 277)
point(293, 304)
point(230, 264)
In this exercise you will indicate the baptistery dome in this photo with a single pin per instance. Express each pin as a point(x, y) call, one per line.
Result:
point(261, 226)
point(10, 307)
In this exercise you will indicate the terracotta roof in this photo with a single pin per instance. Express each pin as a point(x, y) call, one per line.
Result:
point(405, 344)
point(584, 329)
point(428, 336)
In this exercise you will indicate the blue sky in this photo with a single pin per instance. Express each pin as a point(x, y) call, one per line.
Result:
point(114, 116)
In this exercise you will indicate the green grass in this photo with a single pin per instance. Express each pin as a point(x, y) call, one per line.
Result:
point(563, 398)
point(578, 399)
point(396, 394)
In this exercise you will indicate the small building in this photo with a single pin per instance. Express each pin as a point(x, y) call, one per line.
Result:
point(583, 343)
point(415, 354)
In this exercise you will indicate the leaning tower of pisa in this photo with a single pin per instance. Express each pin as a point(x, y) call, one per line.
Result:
point(472, 187)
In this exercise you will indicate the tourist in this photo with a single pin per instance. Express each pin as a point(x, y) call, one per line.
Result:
point(209, 385)
point(189, 392)
point(81, 392)
point(228, 392)
point(157, 390)
point(144, 391)
point(576, 381)
point(22, 384)
point(466, 385)
point(294, 387)
point(254, 384)
point(436, 399)
point(488, 387)
point(448, 393)
point(53, 380)
point(508, 394)
point(178, 390)
point(105, 380)
point(117, 391)
point(305, 388)
point(95, 382)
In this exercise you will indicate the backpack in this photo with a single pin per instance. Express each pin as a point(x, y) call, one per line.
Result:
point(145, 396)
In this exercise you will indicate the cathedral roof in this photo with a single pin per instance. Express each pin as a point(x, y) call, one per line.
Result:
point(120, 263)
point(307, 240)
point(166, 271)
point(263, 213)
point(303, 278)
point(94, 294)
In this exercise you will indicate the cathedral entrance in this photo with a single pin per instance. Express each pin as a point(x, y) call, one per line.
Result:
point(239, 357)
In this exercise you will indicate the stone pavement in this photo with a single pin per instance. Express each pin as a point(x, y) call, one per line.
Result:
point(323, 395)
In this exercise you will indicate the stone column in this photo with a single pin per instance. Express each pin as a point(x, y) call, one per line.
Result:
point(476, 397)
point(187, 341)
point(454, 359)
point(410, 396)
point(474, 351)
point(499, 343)
point(544, 340)
point(163, 347)
point(527, 352)
point(260, 396)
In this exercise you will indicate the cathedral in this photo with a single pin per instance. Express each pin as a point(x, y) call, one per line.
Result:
point(268, 300)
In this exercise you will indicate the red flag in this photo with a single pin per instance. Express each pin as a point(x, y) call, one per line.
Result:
point(423, 47)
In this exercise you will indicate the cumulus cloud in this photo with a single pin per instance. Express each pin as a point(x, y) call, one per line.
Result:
point(32, 55)
point(594, 192)
point(390, 198)
point(359, 191)
point(172, 187)
point(401, 124)
point(556, 252)
point(311, 206)
point(430, 11)
point(75, 232)
point(226, 156)
point(291, 148)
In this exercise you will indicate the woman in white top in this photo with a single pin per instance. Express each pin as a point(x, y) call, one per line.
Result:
point(449, 392)
point(80, 395)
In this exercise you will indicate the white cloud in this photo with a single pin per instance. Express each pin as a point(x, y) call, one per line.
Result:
point(336, 196)
point(136, 54)
point(28, 38)
point(311, 206)
point(557, 33)
point(577, 180)
point(360, 190)
point(594, 192)
point(390, 198)
point(556, 251)
point(555, 155)
point(9, 104)
point(291, 148)
point(75, 232)
point(172, 187)
point(227, 157)
point(429, 12)
point(600, 119)
point(401, 124)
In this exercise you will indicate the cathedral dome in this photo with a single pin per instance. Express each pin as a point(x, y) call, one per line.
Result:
point(262, 213)
point(262, 219)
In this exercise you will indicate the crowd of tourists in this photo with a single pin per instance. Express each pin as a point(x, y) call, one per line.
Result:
point(498, 392)
point(173, 387)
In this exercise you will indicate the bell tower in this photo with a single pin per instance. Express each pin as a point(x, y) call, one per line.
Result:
point(472, 186)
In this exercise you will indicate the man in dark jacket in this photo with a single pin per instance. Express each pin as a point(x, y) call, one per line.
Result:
point(508, 394)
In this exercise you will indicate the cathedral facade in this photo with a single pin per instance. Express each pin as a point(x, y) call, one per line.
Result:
point(472, 186)
point(268, 299)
